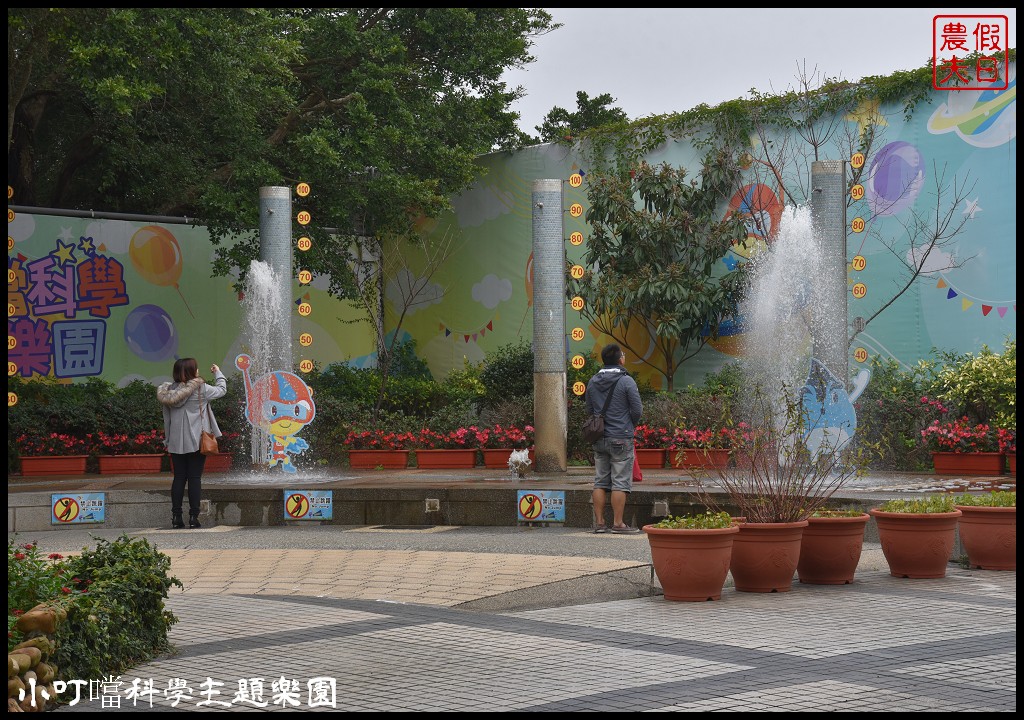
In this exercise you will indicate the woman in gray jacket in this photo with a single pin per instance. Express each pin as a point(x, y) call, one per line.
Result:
point(182, 401)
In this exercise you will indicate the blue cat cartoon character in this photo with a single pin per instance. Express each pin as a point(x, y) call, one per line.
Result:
point(281, 405)
point(829, 417)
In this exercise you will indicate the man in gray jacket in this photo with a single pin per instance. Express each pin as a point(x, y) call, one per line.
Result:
point(613, 454)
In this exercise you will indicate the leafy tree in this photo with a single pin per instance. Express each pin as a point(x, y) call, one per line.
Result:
point(188, 111)
point(560, 124)
point(652, 262)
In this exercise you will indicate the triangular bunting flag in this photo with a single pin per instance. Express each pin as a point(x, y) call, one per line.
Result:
point(467, 338)
point(965, 303)
point(447, 332)
point(474, 337)
point(440, 326)
point(490, 325)
point(942, 283)
point(986, 309)
point(482, 333)
point(1001, 311)
point(951, 294)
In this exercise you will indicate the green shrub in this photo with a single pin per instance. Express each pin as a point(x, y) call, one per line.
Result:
point(985, 385)
point(507, 372)
point(119, 619)
point(895, 407)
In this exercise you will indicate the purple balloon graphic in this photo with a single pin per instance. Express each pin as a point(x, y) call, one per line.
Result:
point(150, 333)
point(895, 179)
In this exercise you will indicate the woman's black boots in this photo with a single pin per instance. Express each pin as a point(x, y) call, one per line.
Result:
point(193, 519)
point(176, 520)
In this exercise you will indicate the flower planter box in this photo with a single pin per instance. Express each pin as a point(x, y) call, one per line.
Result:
point(1011, 462)
point(53, 465)
point(387, 459)
point(498, 457)
point(951, 463)
point(146, 464)
point(221, 462)
point(651, 457)
point(699, 458)
point(447, 459)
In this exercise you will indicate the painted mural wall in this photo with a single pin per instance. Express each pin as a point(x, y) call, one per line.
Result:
point(121, 300)
point(964, 298)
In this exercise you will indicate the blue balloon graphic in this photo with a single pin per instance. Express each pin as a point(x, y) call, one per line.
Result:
point(150, 333)
point(895, 179)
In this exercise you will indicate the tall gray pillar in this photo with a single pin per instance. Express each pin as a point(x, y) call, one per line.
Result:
point(276, 251)
point(829, 314)
point(550, 414)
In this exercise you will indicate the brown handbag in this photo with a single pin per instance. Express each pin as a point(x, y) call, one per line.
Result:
point(207, 442)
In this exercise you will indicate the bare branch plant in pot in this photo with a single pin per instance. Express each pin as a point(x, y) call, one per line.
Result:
point(779, 486)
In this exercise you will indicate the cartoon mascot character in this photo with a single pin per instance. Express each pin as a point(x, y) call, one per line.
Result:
point(279, 404)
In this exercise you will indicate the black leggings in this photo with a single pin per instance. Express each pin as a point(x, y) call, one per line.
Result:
point(188, 470)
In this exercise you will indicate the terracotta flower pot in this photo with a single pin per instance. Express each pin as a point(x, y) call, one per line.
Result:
point(765, 556)
point(130, 464)
point(1011, 462)
point(989, 535)
point(916, 545)
point(691, 564)
point(950, 463)
point(387, 459)
point(830, 549)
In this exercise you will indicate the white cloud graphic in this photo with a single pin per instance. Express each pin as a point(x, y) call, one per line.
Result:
point(492, 290)
point(482, 203)
point(22, 227)
point(937, 261)
point(404, 285)
point(114, 235)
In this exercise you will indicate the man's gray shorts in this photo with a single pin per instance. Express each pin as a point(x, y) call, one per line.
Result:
point(613, 464)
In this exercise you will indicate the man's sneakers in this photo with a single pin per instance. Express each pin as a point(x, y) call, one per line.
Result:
point(624, 530)
point(599, 529)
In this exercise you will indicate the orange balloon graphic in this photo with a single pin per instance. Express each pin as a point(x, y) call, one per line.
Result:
point(156, 255)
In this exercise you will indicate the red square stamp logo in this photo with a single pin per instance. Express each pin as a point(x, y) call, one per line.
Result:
point(969, 52)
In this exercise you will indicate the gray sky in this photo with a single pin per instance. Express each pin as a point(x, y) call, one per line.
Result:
point(655, 61)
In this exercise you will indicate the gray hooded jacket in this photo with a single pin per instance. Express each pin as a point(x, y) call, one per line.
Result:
point(625, 409)
point(182, 422)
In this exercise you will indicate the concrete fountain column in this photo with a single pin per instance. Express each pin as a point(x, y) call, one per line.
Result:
point(549, 408)
point(276, 251)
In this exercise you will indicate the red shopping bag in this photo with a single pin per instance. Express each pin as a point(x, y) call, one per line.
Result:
point(638, 475)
